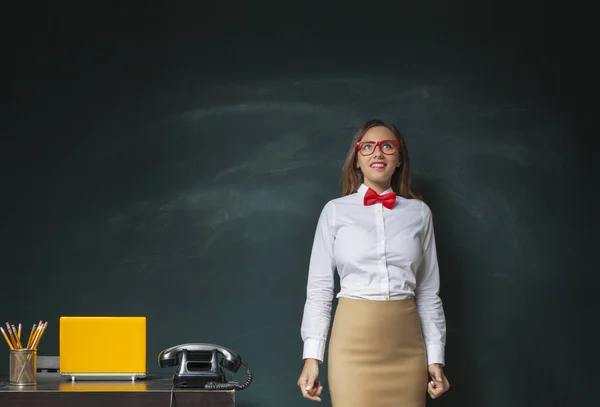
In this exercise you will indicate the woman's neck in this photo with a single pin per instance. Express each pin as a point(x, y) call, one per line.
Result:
point(380, 188)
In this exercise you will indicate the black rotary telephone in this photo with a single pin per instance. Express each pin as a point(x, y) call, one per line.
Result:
point(201, 365)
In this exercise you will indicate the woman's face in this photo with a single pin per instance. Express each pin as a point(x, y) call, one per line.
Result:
point(378, 157)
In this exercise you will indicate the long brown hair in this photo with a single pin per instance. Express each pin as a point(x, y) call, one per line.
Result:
point(353, 177)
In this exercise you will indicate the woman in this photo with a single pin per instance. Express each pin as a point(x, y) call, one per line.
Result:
point(389, 329)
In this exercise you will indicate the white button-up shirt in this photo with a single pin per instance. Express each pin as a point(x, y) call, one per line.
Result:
point(379, 254)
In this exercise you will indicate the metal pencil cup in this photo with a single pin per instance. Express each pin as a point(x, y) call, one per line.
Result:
point(23, 367)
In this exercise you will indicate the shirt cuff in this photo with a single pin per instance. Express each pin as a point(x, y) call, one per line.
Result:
point(435, 354)
point(314, 349)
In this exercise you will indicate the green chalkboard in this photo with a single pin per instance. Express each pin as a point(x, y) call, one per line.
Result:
point(178, 172)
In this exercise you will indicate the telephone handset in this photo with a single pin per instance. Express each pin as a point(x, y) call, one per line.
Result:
point(199, 365)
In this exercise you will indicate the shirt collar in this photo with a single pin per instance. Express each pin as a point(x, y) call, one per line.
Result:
point(362, 190)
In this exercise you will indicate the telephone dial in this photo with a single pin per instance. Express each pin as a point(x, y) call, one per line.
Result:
point(202, 365)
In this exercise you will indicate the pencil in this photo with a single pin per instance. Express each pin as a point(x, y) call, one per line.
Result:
point(38, 338)
point(42, 333)
point(11, 336)
point(19, 333)
point(35, 335)
point(31, 336)
point(6, 338)
point(38, 334)
point(17, 341)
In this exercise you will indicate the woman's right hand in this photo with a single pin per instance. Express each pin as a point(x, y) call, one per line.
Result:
point(309, 386)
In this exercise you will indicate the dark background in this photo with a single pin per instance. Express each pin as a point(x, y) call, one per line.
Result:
point(170, 160)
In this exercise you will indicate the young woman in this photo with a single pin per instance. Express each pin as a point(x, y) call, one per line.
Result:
point(389, 330)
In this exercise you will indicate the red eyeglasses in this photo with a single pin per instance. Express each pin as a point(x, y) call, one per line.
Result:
point(388, 147)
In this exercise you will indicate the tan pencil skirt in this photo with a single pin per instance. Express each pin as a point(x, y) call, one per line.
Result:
point(377, 355)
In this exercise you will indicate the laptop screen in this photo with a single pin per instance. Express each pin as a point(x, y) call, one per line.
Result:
point(102, 345)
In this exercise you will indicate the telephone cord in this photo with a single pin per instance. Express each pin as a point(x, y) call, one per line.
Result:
point(231, 385)
point(172, 388)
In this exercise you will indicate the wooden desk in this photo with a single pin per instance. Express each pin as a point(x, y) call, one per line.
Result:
point(52, 390)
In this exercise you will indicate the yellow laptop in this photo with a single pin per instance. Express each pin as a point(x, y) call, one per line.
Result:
point(104, 348)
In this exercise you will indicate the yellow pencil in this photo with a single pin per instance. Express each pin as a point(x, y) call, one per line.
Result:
point(19, 332)
point(31, 336)
point(35, 344)
point(43, 332)
point(17, 341)
point(6, 338)
point(35, 335)
point(11, 336)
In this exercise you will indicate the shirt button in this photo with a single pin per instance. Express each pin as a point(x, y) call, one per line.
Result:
point(387, 298)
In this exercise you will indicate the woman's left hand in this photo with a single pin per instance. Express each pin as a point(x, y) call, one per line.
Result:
point(439, 383)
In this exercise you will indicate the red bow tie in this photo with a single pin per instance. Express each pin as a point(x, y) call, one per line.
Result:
point(386, 200)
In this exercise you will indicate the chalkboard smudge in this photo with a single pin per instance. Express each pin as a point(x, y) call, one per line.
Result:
point(243, 108)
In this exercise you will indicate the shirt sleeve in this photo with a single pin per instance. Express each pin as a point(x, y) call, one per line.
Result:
point(428, 301)
point(320, 286)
